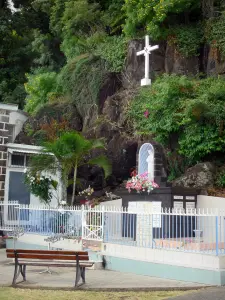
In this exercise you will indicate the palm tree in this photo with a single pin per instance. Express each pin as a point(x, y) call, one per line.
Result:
point(67, 153)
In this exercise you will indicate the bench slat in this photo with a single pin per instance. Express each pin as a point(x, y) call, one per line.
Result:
point(55, 264)
point(59, 256)
point(47, 252)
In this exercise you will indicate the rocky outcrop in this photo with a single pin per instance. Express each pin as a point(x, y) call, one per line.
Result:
point(56, 111)
point(200, 176)
point(215, 63)
point(135, 65)
point(177, 64)
point(113, 125)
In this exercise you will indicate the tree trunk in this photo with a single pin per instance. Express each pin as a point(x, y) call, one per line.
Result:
point(74, 183)
point(62, 186)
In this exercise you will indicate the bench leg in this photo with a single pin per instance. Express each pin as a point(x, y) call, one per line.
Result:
point(82, 273)
point(17, 272)
point(78, 275)
point(23, 271)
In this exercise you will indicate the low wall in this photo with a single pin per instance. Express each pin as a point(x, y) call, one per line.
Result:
point(36, 241)
point(194, 267)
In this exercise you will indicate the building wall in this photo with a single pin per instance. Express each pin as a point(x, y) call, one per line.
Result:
point(213, 205)
point(11, 122)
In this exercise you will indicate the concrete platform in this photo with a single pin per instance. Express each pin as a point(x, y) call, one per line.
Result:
point(96, 279)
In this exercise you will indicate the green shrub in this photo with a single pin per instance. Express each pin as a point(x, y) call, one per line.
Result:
point(220, 179)
point(214, 32)
point(39, 87)
point(187, 39)
point(154, 16)
point(113, 51)
point(189, 111)
point(83, 78)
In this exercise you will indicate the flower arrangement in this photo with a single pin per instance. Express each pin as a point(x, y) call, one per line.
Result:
point(141, 183)
point(40, 186)
point(87, 193)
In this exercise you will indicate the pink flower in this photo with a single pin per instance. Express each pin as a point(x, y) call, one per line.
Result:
point(141, 183)
point(155, 185)
point(146, 114)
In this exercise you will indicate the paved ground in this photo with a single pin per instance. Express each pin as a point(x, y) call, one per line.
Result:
point(96, 279)
point(217, 293)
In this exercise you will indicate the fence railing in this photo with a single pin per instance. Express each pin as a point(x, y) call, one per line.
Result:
point(192, 231)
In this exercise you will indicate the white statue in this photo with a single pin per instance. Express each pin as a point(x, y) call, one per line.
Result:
point(150, 162)
point(147, 51)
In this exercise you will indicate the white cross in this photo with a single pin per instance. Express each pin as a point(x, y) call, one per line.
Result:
point(147, 50)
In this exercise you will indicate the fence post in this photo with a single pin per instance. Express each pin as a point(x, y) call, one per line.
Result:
point(152, 230)
point(18, 215)
point(82, 222)
point(217, 236)
point(103, 221)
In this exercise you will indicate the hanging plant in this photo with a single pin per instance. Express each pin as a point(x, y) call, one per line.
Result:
point(41, 186)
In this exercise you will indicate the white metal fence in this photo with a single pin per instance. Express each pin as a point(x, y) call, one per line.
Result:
point(9, 216)
point(193, 231)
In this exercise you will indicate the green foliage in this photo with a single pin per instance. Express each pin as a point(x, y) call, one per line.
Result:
point(39, 89)
point(114, 16)
point(68, 152)
point(220, 179)
point(41, 186)
point(47, 51)
point(214, 32)
point(177, 165)
point(188, 112)
point(83, 78)
point(80, 18)
point(113, 51)
point(16, 55)
point(187, 39)
point(163, 104)
point(152, 15)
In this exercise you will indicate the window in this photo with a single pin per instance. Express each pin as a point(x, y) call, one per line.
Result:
point(19, 160)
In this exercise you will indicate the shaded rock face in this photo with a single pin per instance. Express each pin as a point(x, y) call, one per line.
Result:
point(215, 63)
point(135, 65)
point(199, 176)
point(121, 145)
point(56, 111)
point(111, 85)
point(165, 59)
point(175, 63)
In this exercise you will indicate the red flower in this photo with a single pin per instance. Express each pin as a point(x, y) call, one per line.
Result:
point(133, 173)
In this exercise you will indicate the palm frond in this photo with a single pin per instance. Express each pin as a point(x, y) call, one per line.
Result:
point(43, 162)
point(98, 144)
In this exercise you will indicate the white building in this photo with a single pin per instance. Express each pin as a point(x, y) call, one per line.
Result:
point(14, 159)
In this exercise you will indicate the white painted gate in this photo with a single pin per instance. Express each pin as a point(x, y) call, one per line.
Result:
point(92, 224)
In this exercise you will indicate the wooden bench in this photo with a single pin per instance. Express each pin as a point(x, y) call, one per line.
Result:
point(49, 258)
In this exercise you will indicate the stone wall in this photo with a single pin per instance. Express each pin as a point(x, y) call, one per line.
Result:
point(9, 121)
point(6, 136)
